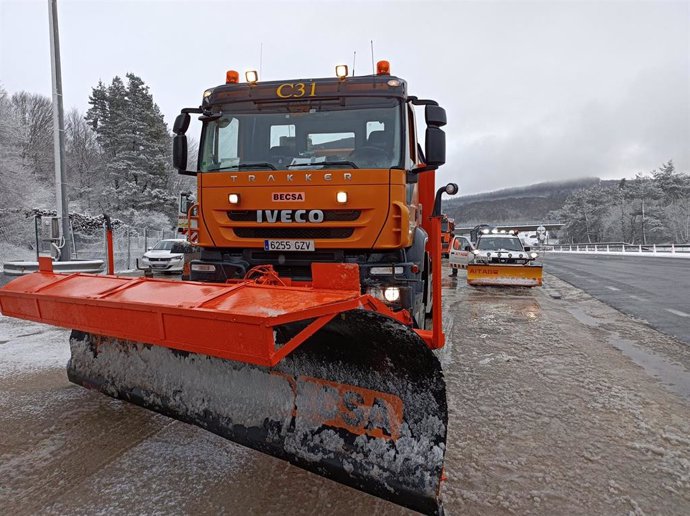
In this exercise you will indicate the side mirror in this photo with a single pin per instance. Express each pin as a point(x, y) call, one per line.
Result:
point(468, 248)
point(181, 123)
point(180, 151)
point(527, 249)
point(435, 146)
point(435, 116)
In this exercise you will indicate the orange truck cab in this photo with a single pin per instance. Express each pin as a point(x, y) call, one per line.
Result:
point(317, 170)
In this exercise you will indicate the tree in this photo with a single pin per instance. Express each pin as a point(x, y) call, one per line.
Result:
point(136, 147)
point(584, 214)
point(34, 114)
point(675, 201)
point(644, 193)
point(82, 160)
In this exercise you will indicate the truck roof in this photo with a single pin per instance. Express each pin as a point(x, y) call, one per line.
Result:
point(308, 89)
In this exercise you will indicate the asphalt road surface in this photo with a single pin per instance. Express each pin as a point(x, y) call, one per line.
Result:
point(655, 290)
point(556, 406)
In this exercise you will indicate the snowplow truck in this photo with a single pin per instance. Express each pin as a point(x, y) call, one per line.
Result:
point(308, 327)
point(500, 259)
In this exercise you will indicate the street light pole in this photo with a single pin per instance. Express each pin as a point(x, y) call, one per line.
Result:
point(59, 133)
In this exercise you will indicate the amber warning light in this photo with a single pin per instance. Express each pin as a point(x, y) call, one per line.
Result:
point(383, 68)
point(232, 77)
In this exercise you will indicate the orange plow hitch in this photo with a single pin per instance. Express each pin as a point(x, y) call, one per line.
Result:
point(320, 375)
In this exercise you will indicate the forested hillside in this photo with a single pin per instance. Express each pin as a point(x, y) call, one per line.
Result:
point(652, 207)
point(532, 203)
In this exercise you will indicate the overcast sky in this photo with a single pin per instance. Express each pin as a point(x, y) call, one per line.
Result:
point(534, 91)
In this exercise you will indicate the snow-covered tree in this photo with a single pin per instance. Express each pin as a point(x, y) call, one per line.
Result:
point(136, 147)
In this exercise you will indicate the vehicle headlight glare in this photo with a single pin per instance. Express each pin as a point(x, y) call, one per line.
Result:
point(534, 255)
point(251, 76)
point(234, 198)
point(391, 294)
point(341, 197)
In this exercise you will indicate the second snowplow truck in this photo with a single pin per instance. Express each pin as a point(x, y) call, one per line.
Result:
point(308, 327)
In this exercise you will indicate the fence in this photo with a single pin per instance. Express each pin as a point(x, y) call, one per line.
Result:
point(619, 248)
point(129, 243)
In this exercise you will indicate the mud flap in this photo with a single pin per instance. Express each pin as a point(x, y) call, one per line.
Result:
point(362, 402)
point(504, 275)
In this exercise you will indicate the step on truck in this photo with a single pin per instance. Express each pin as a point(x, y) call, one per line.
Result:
point(308, 327)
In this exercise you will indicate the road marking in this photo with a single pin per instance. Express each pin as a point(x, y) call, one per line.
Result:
point(636, 297)
point(612, 288)
point(677, 312)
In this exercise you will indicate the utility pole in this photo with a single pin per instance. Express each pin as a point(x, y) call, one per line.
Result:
point(59, 133)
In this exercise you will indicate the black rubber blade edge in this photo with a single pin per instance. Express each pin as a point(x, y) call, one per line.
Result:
point(362, 402)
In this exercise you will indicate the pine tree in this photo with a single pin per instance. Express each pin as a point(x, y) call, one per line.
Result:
point(136, 147)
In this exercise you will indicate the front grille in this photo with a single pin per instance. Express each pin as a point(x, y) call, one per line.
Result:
point(274, 232)
point(328, 215)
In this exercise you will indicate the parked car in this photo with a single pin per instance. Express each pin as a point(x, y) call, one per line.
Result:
point(461, 250)
point(166, 256)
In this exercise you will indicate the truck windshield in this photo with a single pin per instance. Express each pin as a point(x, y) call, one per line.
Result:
point(488, 243)
point(322, 133)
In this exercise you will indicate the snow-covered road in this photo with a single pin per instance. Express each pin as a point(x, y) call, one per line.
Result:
point(557, 406)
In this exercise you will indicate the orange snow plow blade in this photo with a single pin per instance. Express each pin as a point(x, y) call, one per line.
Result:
point(321, 376)
point(504, 275)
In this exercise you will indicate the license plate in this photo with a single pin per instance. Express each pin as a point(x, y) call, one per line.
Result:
point(289, 245)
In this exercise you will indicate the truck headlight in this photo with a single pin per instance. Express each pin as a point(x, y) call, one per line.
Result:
point(385, 271)
point(534, 255)
point(392, 294)
point(386, 294)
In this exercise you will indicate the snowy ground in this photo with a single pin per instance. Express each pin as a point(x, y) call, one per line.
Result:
point(557, 406)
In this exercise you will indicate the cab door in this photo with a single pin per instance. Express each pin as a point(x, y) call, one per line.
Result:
point(460, 252)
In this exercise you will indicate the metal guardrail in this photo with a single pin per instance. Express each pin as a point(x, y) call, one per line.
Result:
point(618, 248)
point(19, 268)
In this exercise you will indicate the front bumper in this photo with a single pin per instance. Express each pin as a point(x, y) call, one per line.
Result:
point(161, 265)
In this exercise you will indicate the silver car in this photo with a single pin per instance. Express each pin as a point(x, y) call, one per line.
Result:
point(164, 257)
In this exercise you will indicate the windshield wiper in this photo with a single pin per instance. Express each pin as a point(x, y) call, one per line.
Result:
point(323, 163)
point(244, 165)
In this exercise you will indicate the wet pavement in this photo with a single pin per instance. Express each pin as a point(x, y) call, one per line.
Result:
point(653, 289)
point(557, 406)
